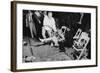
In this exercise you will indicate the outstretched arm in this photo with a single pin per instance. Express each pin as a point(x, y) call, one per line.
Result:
point(80, 21)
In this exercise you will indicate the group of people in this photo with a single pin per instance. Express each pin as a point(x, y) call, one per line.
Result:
point(47, 27)
point(48, 23)
point(50, 33)
point(43, 26)
point(31, 22)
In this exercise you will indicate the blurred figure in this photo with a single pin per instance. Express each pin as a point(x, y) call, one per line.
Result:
point(57, 37)
point(37, 16)
point(81, 17)
point(48, 24)
point(30, 23)
point(38, 19)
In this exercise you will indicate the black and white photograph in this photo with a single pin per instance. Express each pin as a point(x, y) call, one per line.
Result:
point(56, 36)
point(53, 36)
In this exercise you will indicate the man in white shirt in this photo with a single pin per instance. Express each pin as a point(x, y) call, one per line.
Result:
point(48, 25)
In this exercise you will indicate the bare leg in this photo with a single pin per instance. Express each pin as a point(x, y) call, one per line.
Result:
point(54, 39)
point(46, 39)
point(31, 29)
point(43, 32)
point(34, 29)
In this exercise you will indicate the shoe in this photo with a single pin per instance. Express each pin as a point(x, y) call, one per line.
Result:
point(56, 44)
point(51, 44)
point(41, 40)
point(25, 43)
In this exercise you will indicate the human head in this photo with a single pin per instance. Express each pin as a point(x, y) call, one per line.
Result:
point(37, 13)
point(49, 14)
point(29, 11)
point(45, 12)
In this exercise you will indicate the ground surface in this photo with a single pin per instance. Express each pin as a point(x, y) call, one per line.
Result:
point(35, 51)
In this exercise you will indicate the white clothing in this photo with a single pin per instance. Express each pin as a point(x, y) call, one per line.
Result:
point(49, 23)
